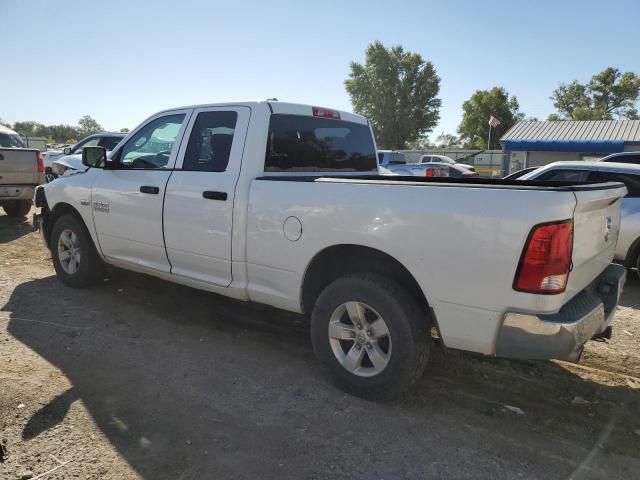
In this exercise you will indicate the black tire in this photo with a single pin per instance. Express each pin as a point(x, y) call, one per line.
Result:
point(90, 269)
point(16, 208)
point(408, 324)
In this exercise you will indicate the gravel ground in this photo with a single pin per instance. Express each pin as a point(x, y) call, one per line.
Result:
point(140, 378)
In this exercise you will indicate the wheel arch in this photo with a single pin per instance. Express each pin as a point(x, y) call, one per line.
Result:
point(632, 255)
point(60, 209)
point(336, 261)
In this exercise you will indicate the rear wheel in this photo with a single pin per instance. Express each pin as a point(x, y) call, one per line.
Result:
point(16, 208)
point(75, 259)
point(371, 335)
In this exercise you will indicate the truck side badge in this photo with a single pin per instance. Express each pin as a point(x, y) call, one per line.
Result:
point(101, 207)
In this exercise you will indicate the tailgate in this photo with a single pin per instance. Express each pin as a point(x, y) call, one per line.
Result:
point(596, 222)
point(18, 166)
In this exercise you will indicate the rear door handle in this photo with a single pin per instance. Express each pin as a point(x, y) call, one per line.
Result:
point(149, 189)
point(211, 195)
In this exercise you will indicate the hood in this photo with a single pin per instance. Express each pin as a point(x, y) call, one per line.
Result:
point(68, 164)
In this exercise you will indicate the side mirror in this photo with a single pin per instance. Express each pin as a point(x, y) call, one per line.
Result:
point(67, 150)
point(95, 157)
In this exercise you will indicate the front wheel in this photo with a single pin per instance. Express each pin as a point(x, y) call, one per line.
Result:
point(17, 208)
point(74, 256)
point(371, 335)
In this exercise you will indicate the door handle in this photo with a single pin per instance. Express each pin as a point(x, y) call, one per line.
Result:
point(211, 195)
point(149, 189)
point(1, 157)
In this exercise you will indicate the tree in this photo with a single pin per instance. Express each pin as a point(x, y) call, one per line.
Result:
point(29, 128)
point(447, 140)
point(88, 126)
point(397, 91)
point(422, 143)
point(124, 130)
point(474, 129)
point(609, 94)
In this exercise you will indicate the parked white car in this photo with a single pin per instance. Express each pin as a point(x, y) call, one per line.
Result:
point(107, 140)
point(444, 159)
point(396, 162)
point(282, 204)
point(628, 247)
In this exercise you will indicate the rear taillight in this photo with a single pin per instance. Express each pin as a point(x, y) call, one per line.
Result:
point(546, 259)
point(40, 162)
point(325, 113)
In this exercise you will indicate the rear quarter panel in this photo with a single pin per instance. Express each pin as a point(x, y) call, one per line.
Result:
point(461, 244)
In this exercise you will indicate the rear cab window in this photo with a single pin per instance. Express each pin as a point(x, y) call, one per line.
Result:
point(299, 143)
point(9, 140)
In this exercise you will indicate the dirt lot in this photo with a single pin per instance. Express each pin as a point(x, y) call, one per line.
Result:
point(139, 378)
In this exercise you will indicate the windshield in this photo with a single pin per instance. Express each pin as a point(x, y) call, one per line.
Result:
point(8, 140)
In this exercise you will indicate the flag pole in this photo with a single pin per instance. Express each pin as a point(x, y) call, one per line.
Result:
point(489, 141)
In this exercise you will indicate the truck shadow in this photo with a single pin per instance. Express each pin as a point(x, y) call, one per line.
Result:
point(12, 228)
point(187, 384)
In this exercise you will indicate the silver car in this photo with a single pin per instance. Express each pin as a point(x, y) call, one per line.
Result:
point(628, 247)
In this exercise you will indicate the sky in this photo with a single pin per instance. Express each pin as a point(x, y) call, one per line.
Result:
point(122, 61)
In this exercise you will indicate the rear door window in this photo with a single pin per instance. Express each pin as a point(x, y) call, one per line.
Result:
point(210, 142)
point(298, 143)
point(632, 182)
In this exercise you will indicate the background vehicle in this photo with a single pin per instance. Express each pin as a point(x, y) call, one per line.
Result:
point(458, 170)
point(628, 247)
point(282, 204)
point(21, 170)
point(397, 163)
point(520, 173)
point(10, 139)
point(622, 157)
point(107, 140)
point(444, 159)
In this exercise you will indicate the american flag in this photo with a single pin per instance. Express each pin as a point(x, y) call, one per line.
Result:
point(493, 121)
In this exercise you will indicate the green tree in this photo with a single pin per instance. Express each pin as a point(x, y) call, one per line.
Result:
point(422, 143)
point(28, 128)
point(88, 126)
point(397, 90)
point(609, 94)
point(124, 130)
point(447, 140)
point(474, 128)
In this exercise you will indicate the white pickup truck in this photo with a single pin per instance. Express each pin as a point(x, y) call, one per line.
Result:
point(21, 170)
point(282, 204)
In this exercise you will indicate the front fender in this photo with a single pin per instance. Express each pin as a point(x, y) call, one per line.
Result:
point(70, 194)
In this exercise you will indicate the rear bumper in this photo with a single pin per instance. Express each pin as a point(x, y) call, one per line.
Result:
point(563, 334)
point(16, 192)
